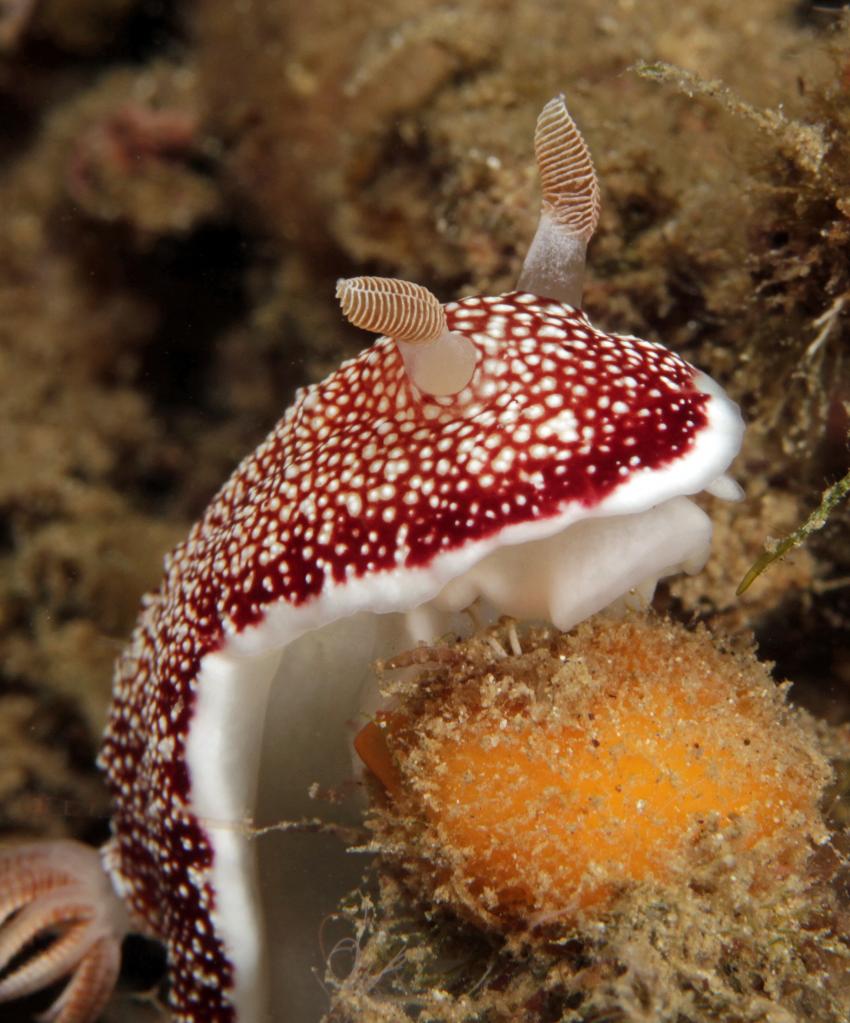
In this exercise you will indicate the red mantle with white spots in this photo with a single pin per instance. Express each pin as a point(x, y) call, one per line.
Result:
point(365, 476)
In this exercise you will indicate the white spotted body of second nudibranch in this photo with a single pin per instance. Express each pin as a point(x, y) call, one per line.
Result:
point(499, 450)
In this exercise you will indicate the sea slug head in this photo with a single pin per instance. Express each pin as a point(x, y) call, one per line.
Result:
point(555, 456)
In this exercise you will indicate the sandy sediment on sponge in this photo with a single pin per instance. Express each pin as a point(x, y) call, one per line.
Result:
point(623, 820)
point(535, 789)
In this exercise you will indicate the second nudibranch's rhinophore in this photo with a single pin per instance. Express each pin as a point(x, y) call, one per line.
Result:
point(498, 449)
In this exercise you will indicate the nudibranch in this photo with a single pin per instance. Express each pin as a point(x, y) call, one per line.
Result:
point(499, 450)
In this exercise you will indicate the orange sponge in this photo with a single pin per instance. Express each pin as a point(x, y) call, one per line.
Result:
point(537, 787)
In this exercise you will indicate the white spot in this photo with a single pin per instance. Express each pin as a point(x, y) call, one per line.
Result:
point(562, 426)
point(551, 331)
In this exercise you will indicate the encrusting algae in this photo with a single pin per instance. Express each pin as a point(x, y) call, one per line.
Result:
point(555, 792)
